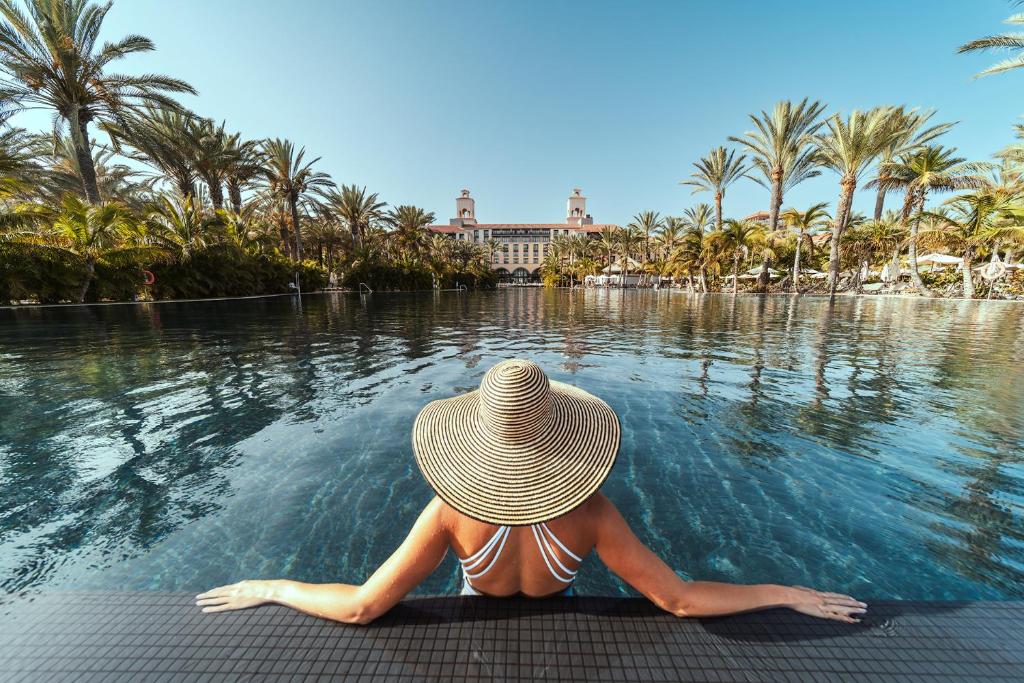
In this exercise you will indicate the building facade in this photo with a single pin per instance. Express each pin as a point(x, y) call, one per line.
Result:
point(518, 249)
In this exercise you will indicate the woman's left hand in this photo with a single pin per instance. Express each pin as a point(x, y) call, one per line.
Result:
point(241, 595)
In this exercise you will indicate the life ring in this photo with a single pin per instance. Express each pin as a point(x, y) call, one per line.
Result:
point(993, 270)
point(150, 278)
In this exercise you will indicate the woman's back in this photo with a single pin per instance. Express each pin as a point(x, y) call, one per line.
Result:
point(536, 560)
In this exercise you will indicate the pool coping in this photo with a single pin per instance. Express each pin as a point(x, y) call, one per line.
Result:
point(128, 636)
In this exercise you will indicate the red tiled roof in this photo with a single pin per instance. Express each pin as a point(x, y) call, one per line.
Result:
point(521, 226)
point(758, 216)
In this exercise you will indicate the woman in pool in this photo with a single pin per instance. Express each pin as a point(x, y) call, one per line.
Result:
point(516, 466)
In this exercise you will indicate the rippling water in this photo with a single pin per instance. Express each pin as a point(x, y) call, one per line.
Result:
point(873, 446)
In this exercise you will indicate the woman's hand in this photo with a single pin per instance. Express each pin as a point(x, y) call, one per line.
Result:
point(833, 606)
point(241, 595)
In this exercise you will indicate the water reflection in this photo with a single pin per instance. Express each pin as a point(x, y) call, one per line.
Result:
point(871, 445)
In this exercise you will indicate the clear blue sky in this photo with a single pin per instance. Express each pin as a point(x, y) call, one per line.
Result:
point(521, 101)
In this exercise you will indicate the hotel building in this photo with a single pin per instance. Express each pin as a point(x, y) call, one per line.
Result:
point(522, 246)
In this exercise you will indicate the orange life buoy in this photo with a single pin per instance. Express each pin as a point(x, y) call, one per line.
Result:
point(150, 278)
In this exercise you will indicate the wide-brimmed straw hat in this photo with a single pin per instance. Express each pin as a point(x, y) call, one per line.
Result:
point(520, 449)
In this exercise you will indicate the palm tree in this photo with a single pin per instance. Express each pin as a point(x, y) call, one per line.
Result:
point(491, 247)
point(608, 240)
point(245, 164)
point(51, 60)
point(629, 239)
point(698, 219)
point(849, 147)
point(669, 237)
point(160, 138)
point(716, 172)
point(782, 148)
point(1005, 41)
point(739, 237)
point(910, 134)
point(804, 223)
point(290, 178)
point(359, 209)
point(647, 222)
point(969, 222)
point(178, 224)
point(881, 239)
point(91, 232)
point(410, 224)
point(930, 168)
point(212, 150)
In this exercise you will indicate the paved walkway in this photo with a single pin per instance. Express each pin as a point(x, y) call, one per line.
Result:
point(79, 636)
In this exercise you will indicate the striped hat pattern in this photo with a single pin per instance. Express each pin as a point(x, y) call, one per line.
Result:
point(519, 450)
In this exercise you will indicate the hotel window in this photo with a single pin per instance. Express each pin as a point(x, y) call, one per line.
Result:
point(476, 235)
point(487, 234)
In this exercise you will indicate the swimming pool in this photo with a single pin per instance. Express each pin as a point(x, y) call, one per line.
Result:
point(872, 447)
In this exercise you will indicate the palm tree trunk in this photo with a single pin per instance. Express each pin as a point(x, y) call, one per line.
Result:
point(796, 262)
point(847, 187)
point(293, 204)
point(83, 153)
point(735, 272)
point(718, 210)
point(216, 193)
point(90, 271)
point(879, 204)
point(703, 280)
point(968, 276)
point(235, 193)
point(762, 278)
point(776, 204)
point(915, 275)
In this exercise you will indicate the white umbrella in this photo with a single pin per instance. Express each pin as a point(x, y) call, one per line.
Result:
point(940, 259)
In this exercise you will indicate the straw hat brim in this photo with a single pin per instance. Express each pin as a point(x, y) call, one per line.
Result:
point(512, 482)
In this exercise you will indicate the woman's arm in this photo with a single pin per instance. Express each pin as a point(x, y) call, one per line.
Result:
point(637, 565)
point(417, 557)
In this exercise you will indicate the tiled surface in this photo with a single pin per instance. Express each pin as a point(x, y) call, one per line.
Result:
point(77, 636)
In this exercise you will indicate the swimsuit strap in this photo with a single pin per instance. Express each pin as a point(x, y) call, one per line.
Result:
point(471, 562)
point(546, 551)
point(541, 534)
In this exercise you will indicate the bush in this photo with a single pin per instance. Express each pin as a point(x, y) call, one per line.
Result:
point(47, 275)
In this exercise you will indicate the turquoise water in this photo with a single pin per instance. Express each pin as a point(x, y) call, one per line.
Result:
point(872, 447)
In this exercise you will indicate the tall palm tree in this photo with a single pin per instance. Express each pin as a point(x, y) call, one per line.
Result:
point(160, 138)
point(1005, 41)
point(910, 134)
point(608, 241)
point(357, 207)
point(647, 222)
point(92, 232)
point(715, 173)
point(670, 235)
point(848, 147)
point(931, 168)
point(739, 237)
point(782, 148)
point(245, 164)
point(290, 178)
point(410, 223)
point(804, 223)
point(969, 222)
point(698, 219)
point(51, 60)
point(629, 240)
point(212, 150)
point(179, 225)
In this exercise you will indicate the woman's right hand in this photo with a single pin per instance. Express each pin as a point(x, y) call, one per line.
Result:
point(835, 606)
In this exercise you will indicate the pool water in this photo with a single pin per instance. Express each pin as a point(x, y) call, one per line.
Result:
point(872, 446)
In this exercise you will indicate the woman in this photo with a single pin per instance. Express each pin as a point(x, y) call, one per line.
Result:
point(516, 466)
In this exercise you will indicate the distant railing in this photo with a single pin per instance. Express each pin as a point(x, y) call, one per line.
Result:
point(362, 286)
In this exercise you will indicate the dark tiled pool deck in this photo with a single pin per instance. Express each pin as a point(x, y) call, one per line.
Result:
point(92, 636)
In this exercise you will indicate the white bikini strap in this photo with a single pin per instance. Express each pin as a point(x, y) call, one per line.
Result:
point(477, 557)
point(504, 537)
point(560, 544)
point(544, 554)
